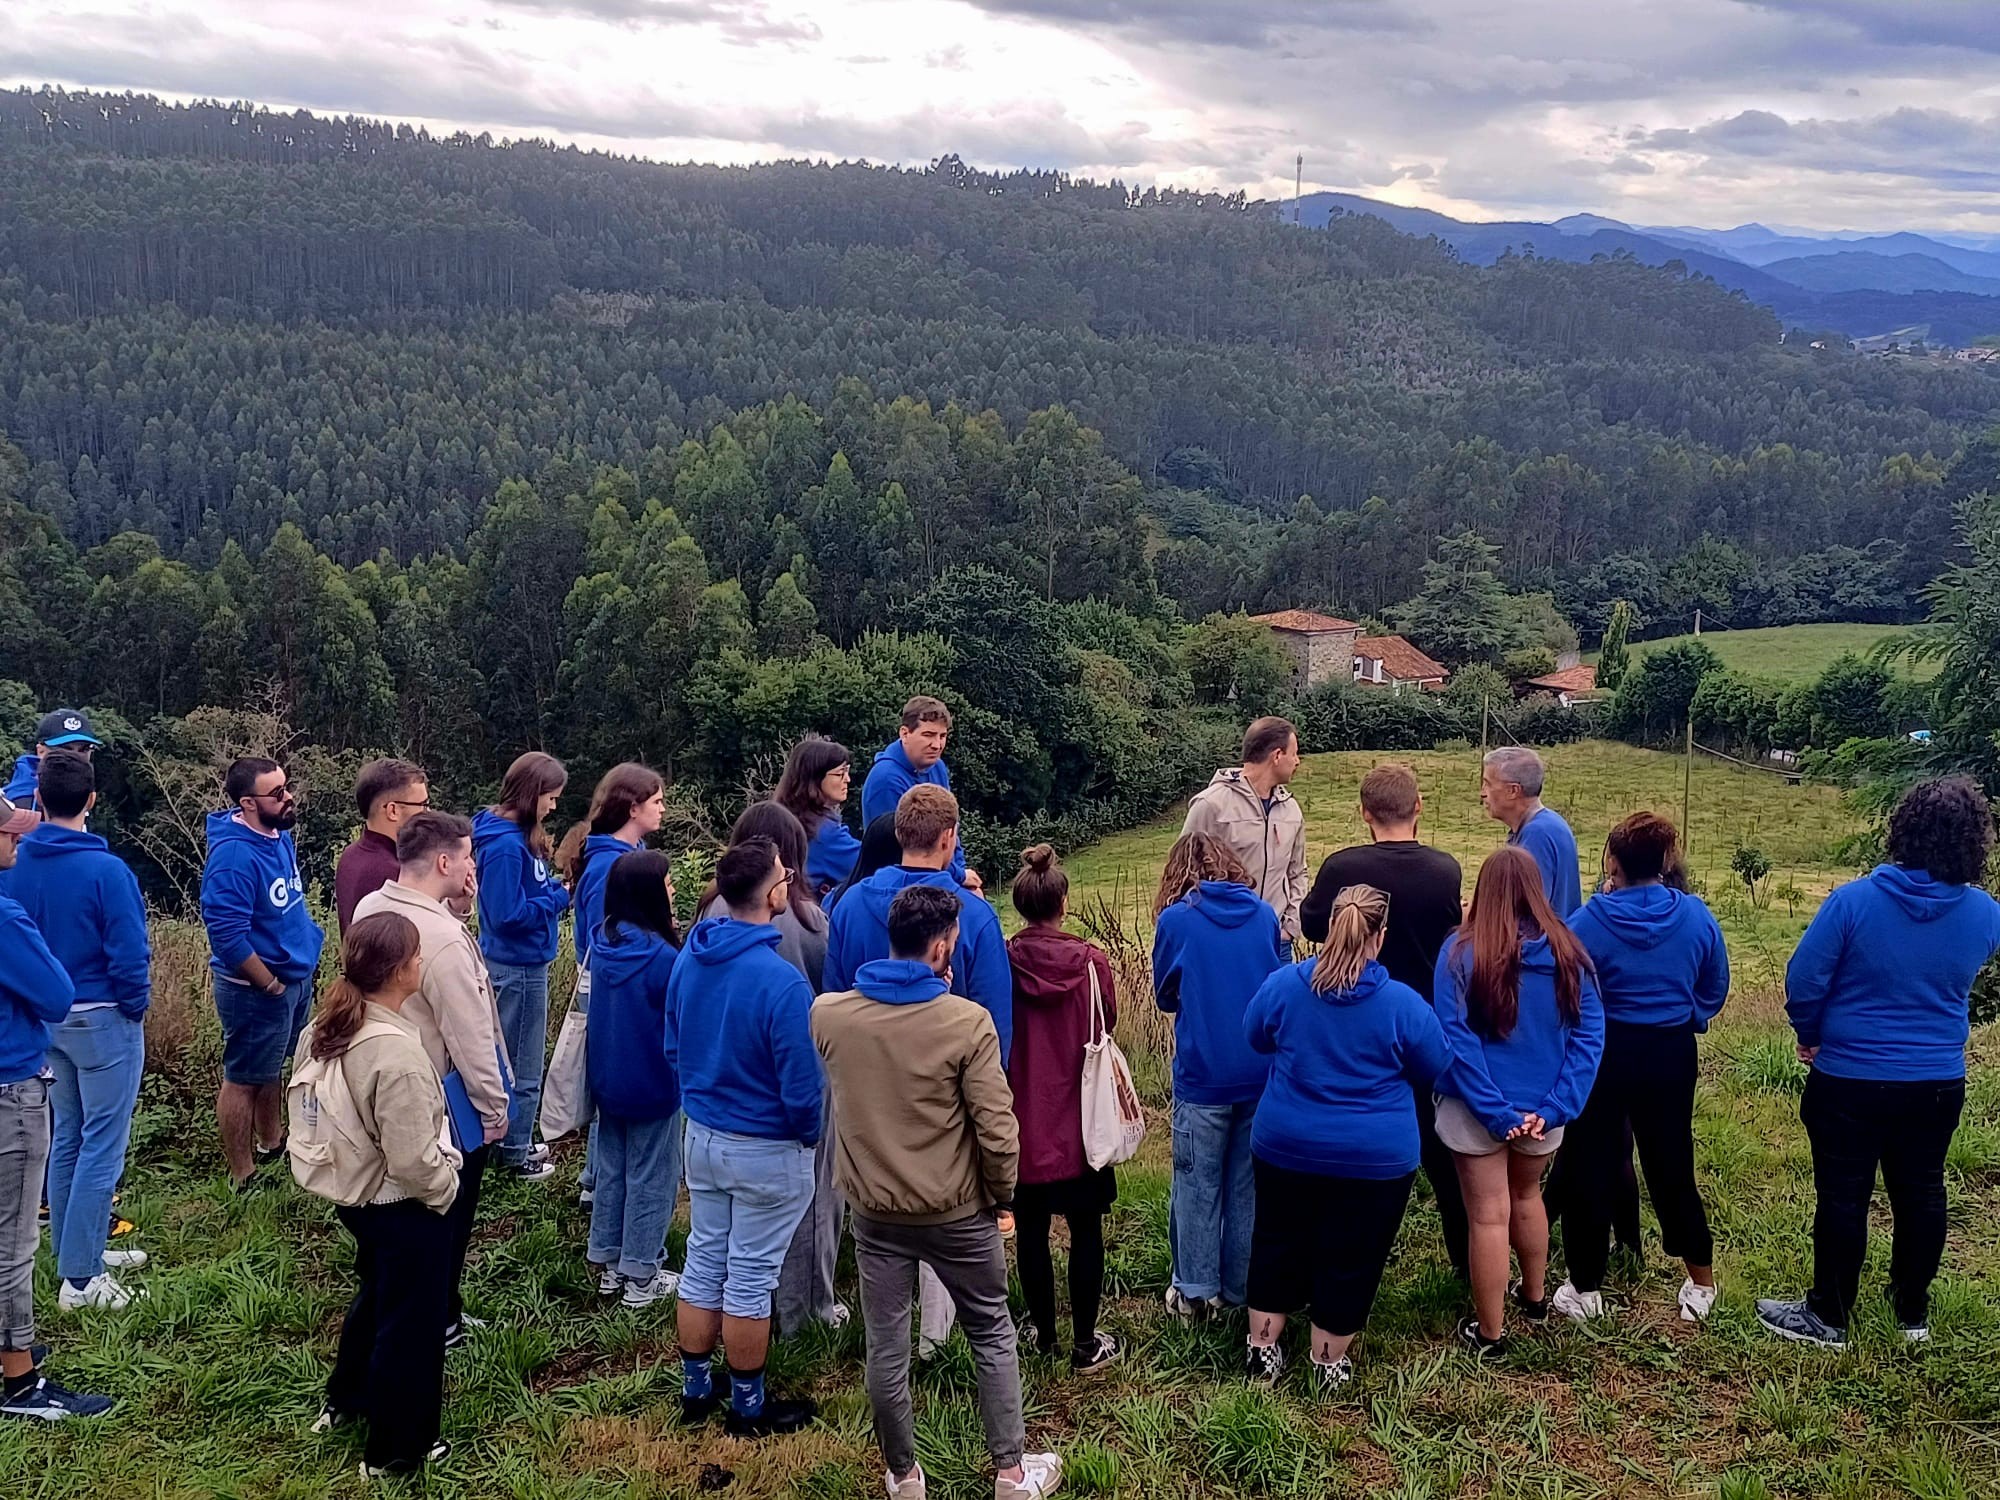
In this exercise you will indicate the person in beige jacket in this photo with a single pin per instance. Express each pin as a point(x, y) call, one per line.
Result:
point(367, 1117)
point(928, 1152)
point(1251, 809)
point(453, 1010)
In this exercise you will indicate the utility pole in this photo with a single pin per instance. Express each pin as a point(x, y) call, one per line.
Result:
point(1298, 185)
point(1687, 789)
point(1485, 713)
point(1697, 621)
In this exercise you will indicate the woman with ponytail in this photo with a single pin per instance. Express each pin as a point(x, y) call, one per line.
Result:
point(1057, 975)
point(1335, 1142)
point(1517, 997)
point(367, 1117)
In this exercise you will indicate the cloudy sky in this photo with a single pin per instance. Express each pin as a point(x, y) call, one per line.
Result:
point(1866, 114)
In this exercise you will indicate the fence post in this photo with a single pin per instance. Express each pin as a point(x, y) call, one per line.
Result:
point(1485, 712)
point(1687, 790)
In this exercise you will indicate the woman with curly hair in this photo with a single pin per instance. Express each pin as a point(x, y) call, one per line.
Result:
point(1879, 992)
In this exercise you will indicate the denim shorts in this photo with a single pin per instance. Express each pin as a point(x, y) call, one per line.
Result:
point(746, 1196)
point(260, 1031)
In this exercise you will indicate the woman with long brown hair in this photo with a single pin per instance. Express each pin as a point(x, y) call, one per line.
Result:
point(818, 774)
point(1517, 997)
point(521, 903)
point(367, 1132)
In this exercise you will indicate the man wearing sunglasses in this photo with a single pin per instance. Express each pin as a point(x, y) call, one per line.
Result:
point(264, 949)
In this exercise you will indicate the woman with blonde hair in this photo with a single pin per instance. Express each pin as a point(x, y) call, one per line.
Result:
point(1335, 1141)
point(1214, 942)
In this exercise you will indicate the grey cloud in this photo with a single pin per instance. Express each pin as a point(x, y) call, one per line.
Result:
point(1220, 23)
point(1968, 24)
point(1955, 151)
point(745, 24)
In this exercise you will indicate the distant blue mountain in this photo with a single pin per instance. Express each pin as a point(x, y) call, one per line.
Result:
point(1861, 270)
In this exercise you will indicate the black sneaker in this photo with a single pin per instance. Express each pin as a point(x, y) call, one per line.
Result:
point(458, 1335)
point(266, 1156)
point(696, 1410)
point(1101, 1355)
point(439, 1451)
point(778, 1416)
point(1534, 1312)
point(1477, 1344)
point(1799, 1323)
point(45, 1401)
point(1264, 1363)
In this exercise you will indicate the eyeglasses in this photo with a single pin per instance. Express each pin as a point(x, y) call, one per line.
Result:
point(406, 802)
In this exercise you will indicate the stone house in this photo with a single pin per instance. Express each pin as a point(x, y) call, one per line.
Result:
point(1320, 646)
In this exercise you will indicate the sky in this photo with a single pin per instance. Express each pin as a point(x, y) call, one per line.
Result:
point(1820, 114)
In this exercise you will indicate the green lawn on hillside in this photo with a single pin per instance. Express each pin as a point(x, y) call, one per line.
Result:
point(219, 1370)
point(1787, 653)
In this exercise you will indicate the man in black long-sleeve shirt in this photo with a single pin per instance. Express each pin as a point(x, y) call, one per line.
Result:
point(1425, 887)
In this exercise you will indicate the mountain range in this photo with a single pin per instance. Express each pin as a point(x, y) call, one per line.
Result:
point(1944, 289)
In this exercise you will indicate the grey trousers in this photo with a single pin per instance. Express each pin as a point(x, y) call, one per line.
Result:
point(805, 1282)
point(24, 1161)
point(969, 1260)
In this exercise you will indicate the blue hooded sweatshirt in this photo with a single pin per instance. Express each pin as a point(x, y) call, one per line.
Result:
point(739, 1021)
point(253, 901)
point(600, 852)
point(899, 981)
point(1338, 1102)
point(1211, 951)
point(892, 775)
point(859, 934)
point(631, 1071)
point(1540, 1067)
point(26, 780)
point(1660, 956)
point(1548, 838)
point(1881, 981)
point(87, 904)
point(520, 900)
point(34, 994)
point(831, 855)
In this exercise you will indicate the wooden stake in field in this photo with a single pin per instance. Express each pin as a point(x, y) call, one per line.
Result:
point(1687, 791)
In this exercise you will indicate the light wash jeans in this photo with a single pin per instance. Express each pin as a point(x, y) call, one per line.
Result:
point(746, 1196)
point(1214, 1200)
point(521, 991)
point(96, 1057)
point(638, 1181)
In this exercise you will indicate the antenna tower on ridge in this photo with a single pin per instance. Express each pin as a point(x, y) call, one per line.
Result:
point(1298, 185)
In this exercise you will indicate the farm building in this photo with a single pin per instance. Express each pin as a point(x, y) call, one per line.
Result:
point(1390, 661)
point(1572, 685)
point(1320, 646)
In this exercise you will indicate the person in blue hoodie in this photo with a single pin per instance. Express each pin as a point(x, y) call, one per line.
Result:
point(914, 758)
point(1663, 974)
point(626, 809)
point(35, 993)
point(1879, 992)
point(1215, 940)
point(927, 833)
point(739, 1023)
point(813, 789)
point(65, 729)
point(264, 950)
point(87, 905)
point(521, 903)
point(1510, 789)
point(1516, 996)
point(1335, 1141)
point(633, 1082)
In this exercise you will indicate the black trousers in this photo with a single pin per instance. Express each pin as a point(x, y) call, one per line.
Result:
point(1442, 1173)
point(1855, 1125)
point(390, 1368)
point(464, 1209)
point(1323, 1242)
point(1645, 1086)
point(1624, 1206)
point(1083, 1203)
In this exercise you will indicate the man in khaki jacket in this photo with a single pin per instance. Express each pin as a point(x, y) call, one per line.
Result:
point(1251, 809)
point(453, 1011)
point(928, 1150)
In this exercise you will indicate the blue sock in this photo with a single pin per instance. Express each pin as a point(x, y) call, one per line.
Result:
point(697, 1376)
point(746, 1392)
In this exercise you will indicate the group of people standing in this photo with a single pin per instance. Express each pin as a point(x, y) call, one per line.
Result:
point(844, 1031)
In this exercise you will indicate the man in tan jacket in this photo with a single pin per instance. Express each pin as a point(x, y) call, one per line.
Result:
point(1251, 809)
point(453, 1011)
point(928, 1150)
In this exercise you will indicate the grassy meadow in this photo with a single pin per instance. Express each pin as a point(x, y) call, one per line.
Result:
point(1788, 653)
point(219, 1370)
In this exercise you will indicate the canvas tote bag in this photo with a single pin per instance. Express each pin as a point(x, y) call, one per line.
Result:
point(1113, 1120)
point(566, 1102)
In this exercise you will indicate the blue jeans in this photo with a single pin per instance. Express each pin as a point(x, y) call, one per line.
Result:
point(638, 1180)
point(746, 1196)
point(522, 993)
point(1214, 1201)
point(96, 1057)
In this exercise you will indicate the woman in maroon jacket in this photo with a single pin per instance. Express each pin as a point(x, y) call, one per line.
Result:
point(1052, 974)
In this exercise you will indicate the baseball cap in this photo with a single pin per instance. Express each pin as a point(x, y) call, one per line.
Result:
point(17, 820)
point(66, 726)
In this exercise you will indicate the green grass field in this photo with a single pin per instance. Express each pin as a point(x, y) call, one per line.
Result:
point(219, 1370)
point(1786, 653)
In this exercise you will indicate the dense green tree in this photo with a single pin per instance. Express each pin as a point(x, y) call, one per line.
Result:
point(1612, 658)
point(1463, 614)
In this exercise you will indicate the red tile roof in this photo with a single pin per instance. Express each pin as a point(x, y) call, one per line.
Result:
point(1569, 680)
point(1303, 620)
point(1400, 660)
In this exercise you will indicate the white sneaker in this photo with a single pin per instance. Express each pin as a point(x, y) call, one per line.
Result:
point(1181, 1305)
point(1041, 1474)
point(124, 1260)
point(102, 1291)
point(644, 1294)
point(838, 1316)
point(1697, 1302)
point(1582, 1306)
point(609, 1282)
point(905, 1489)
